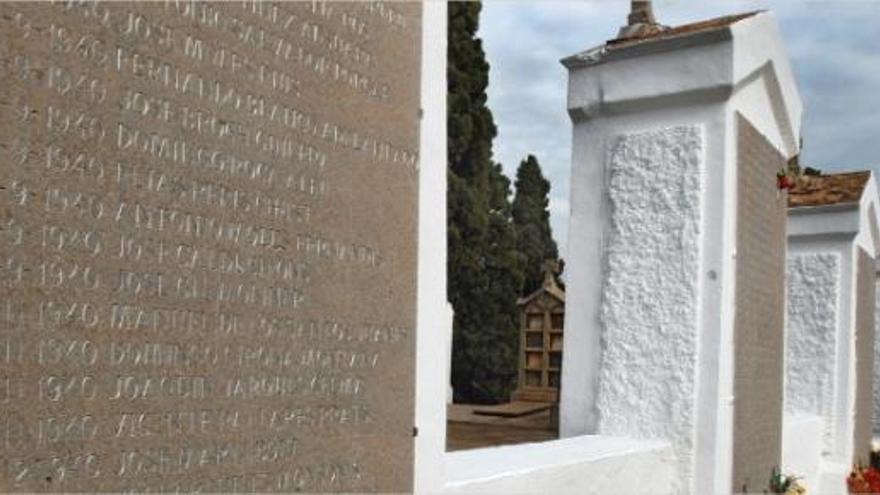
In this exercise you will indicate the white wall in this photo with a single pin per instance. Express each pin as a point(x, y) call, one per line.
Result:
point(745, 72)
point(802, 446)
point(837, 413)
point(588, 236)
point(843, 230)
point(434, 324)
point(650, 301)
point(868, 236)
point(813, 291)
point(760, 52)
point(821, 336)
point(589, 224)
point(578, 466)
point(815, 420)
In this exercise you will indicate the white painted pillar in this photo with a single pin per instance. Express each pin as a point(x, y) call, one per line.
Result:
point(675, 225)
point(830, 345)
point(434, 319)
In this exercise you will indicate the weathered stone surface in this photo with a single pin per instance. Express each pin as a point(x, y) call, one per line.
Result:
point(208, 224)
point(864, 356)
point(876, 384)
point(759, 310)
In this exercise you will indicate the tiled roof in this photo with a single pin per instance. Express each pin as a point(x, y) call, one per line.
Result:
point(650, 34)
point(828, 189)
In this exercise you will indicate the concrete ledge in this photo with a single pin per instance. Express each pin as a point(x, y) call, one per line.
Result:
point(824, 220)
point(831, 479)
point(802, 448)
point(581, 465)
point(803, 455)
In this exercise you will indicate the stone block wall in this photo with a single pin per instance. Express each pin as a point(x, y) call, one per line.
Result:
point(864, 355)
point(876, 360)
point(758, 322)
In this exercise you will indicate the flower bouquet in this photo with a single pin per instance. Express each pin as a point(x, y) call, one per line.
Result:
point(863, 480)
point(785, 483)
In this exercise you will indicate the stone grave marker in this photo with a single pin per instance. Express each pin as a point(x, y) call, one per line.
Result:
point(208, 223)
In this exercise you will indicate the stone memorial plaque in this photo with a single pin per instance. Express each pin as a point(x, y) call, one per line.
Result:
point(208, 221)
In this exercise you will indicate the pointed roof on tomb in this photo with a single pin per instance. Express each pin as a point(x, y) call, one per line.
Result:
point(845, 203)
point(549, 286)
point(650, 33)
point(830, 189)
point(712, 60)
point(678, 31)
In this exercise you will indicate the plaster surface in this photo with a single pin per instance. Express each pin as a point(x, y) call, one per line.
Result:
point(589, 464)
point(868, 236)
point(811, 323)
point(649, 308)
point(760, 52)
point(802, 445)
point(850, 233)
point(708, 82)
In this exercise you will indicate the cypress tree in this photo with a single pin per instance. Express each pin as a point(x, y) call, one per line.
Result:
point(505, 271)
point(531, 216)
point(484, 269)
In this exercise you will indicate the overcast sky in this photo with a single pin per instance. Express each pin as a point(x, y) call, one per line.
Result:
point(834, 47)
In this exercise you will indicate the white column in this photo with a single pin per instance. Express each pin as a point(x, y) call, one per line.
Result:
point(434, 324)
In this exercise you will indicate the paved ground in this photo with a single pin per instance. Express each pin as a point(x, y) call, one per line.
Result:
point(466, 430)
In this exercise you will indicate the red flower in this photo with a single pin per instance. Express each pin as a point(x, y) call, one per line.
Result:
point(863, 480)
point(872, 477)
point(783, 182)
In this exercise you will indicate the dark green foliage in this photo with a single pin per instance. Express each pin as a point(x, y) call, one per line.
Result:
point(795, 169)
point(471, 127)
point(484, 267)
point(531, 216)
point(504, 272)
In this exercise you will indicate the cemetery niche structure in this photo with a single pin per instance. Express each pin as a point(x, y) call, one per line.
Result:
point(198, 294)
point(678, 371)
point(829, 337)
point(542, 316)
point(677, 244)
